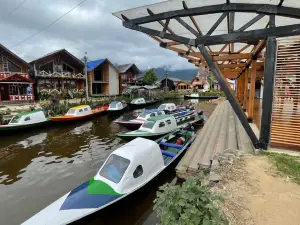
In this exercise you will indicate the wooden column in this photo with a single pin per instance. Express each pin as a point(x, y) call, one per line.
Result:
point(245, 89)
point(242, 88)
point(239, 89)
point(252, 90)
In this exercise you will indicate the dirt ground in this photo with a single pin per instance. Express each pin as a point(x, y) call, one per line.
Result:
point(208, 106)
point(256, 194)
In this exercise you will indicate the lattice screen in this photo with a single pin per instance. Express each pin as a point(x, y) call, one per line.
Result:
point(286, 110)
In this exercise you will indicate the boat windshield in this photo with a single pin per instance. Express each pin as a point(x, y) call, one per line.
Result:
point(71, 111)
point(113, 104)
point(15, 119)
point(162, 107)
point(148, 124)
point(114, 168)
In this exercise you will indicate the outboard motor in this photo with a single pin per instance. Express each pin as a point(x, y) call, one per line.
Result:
point(180, 141)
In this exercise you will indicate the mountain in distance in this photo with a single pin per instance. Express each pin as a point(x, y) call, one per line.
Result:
point(184, 74)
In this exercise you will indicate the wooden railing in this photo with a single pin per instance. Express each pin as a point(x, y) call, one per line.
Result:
point(65, 75)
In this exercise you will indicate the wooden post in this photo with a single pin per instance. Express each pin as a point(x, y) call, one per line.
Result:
point(238, 88)
point(242, 88)
point(245, 90)
point(252, 91)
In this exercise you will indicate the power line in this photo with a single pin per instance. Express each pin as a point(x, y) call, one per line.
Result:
point(40, 31)
point(11, 12)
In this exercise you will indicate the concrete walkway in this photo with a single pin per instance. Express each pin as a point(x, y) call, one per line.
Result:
point(222, 134)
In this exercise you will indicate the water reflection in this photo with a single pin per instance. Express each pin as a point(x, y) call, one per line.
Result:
point(39, 166)
point(33, 140)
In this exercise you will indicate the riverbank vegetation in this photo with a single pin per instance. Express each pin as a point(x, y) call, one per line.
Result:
point(288, 166)
point(192, 202)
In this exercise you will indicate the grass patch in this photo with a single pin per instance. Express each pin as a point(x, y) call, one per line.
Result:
point(287, 165)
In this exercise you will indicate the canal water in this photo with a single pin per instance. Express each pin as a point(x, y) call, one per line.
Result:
point(39, 166)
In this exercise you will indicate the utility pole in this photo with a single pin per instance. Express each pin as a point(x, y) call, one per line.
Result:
point(166, 73)
point(86, 77)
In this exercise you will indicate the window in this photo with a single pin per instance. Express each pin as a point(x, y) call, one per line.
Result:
point(98, 75)
point(114, 168)
point(152, 115)
point(85, 109)
point(48, 67)
point(162, 107)
point(15, 119)
point(138, 172)
point(67, 68)
point(97, 88)
point(168, 121)
point(148, 124)
point(114, 105)
point(71, 111)
point(80, 110)
point(162, 124)
point(27, 118)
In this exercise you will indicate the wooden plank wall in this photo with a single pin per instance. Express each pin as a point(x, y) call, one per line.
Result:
point(286, 109)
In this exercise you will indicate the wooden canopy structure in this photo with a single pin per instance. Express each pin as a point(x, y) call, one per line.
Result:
point(227, 38)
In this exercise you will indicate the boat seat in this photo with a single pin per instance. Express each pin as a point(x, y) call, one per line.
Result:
point(171, 145)
point(169, 154)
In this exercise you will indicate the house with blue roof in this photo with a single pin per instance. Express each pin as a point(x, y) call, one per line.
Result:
point(103, 78)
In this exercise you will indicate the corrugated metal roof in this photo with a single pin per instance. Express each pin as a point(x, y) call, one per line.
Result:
point(93, 64)
point(123, 68)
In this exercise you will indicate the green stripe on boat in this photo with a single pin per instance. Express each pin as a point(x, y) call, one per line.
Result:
point(97, 187)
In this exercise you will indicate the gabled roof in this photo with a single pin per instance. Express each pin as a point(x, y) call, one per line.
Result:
point(91, 65)
point(59, 51)
point(123, 68)
point(13, 54)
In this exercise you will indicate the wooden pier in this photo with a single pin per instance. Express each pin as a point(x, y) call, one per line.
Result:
point(222, 132)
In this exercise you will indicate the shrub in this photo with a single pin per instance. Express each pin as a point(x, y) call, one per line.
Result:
point(188, 204)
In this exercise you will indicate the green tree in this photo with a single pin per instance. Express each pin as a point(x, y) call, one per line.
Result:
point(149, 77)
point(212, 79)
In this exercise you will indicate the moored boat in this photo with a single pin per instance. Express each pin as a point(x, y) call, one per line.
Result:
point(126, 170)
point(141, 102)
point(197, 96)
point(155, 127)
point(142, 117)
point(25, 120)
point(79, 113)
point(116, 107)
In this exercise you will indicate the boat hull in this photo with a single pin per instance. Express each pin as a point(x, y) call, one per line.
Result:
point(136, 106)
point(116, 112)
point(201, 97)
point(6, 129)
point(77, 118)
point(129, 137)
point(128, 124)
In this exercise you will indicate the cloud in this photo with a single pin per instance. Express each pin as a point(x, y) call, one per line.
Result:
point(89, 28)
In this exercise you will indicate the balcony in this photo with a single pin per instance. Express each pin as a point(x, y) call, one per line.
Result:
point(62, 75)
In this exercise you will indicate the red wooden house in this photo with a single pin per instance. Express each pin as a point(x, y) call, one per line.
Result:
point(15, 82)
point(128, 75)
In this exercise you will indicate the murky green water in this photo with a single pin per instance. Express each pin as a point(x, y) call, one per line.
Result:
point(39, 166)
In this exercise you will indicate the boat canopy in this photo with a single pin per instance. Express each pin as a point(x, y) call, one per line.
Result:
point(159, 124)
point(81, 110)
point(138, 101)
point(167, 107)
point(131, 165)
point(115, 105)
point(36, 116)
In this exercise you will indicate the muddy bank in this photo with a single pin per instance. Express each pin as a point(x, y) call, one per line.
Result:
point(208, 106)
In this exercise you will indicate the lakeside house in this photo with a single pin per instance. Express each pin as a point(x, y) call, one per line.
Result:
point(200, 81)
point(58, 70)
point(103, 78)
point(183, 85)
point(128, 75)
point(15, 82)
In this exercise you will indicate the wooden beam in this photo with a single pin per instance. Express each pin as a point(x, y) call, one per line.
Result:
point(245, 89)
point(252, 90)
point(232, 56)
point(243, 48)
point(171, 43)
point(240, 65)
point(233, 74)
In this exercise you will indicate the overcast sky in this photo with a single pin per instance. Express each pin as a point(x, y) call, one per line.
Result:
point(89, 28)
